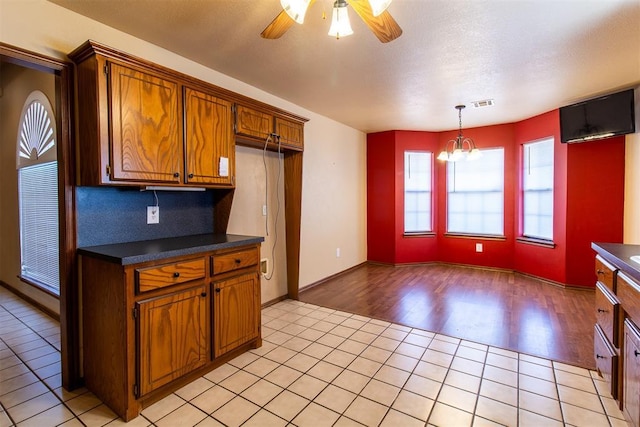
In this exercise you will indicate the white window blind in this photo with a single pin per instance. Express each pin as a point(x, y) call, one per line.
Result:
point(417, 191)
point(537, 189)
point(39, 223)
point(38, 193)
point(475, 194)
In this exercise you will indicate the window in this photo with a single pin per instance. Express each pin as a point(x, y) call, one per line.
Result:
point(537, 189)
point(38, 194)
point(417, 192)
point(475, 195)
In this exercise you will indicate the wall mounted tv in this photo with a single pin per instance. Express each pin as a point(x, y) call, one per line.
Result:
point(598, 118)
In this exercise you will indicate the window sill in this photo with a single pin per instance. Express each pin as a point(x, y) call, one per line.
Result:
point(420, 234)
point(475, 236)
point(536, 242)
point(41, 286)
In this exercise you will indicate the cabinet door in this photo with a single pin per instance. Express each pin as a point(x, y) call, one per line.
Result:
point(253, 123)
point(208, 139)
point(172, 336)
point(145, 137)
point(631, 373)
point(236, 312)
point(291, 133)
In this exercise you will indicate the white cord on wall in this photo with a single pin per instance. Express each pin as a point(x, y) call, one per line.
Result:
point(266, 198)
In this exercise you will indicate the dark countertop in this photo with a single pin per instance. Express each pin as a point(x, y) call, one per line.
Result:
point(153, 250)
point(619, 255)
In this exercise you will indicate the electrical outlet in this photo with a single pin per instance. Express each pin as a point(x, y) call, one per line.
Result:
point(153, 214)
point(264, 210)
point(264, 266)
point(478, 247)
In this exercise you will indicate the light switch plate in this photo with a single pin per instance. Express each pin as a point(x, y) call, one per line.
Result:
point(153, 214)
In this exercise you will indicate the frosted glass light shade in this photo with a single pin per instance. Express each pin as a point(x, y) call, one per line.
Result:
point(340, 25)
point(296, 9)
point(379, 6)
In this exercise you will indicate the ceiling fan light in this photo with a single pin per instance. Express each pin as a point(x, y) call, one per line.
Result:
point(296, 9)
point(379, 6)
point(340, 25)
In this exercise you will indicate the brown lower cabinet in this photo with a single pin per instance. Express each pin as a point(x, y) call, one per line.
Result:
point(150, 328)
point(616, 332)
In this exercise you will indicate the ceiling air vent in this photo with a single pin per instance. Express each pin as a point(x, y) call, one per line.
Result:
point(483, 103)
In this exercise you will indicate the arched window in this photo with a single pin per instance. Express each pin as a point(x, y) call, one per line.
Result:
point(38, 193)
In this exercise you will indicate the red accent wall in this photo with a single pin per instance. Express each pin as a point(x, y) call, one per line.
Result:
point(495, 253)
point(595, 203)
point(415, 248)
point(588, 202)
point(541, 261)
point(381, 190)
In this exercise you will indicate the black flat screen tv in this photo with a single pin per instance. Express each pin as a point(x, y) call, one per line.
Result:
point(598, 118)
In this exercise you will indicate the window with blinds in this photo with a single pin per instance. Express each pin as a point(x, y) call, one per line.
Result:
point(537, 189)
point(475, 195)
point(38, 194)
point(417, 192)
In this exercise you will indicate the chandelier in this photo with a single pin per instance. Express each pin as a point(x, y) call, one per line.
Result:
point(461, 146)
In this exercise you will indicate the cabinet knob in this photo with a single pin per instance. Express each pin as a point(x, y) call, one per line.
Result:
point(190, 175)
point(217, 290)
point(601, 310)
point(176, 175)
point(636, 353)
point(238, 261)
point(204, 294)
point(599, 357)
point(176, 274)
point(600, 272)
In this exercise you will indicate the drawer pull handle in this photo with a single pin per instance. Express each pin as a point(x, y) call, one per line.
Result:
point(217, 290)
point(601, 310)
point(204, 294)
point(600, 271)
point(600, 357)
point(636, 353)
point(238, 261)
point(176, 274)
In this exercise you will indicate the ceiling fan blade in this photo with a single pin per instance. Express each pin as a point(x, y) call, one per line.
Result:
point(383, 26)
point(278, 26)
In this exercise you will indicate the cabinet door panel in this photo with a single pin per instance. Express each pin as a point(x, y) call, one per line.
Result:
point(145, 139)
point(631, 373)
point(208, 137)
point(291, 133)
point(253, 123)
point(236, 312)
point(172, 336)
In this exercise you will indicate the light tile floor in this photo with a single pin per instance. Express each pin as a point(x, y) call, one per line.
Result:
point(317, 367)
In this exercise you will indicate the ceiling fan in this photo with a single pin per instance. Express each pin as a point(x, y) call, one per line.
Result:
point(372, 12)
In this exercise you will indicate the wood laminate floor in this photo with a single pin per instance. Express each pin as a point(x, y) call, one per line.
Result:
point(497, 308)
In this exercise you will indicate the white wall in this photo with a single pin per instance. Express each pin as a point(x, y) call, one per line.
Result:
point(632, 181)
point(334, 167)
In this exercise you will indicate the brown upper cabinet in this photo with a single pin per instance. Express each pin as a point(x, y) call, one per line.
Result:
point(254, 125)
point(142, 124)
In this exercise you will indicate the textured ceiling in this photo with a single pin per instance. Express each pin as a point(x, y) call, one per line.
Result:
point(530, 56)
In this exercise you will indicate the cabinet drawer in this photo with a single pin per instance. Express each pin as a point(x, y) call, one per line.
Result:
point(629, 295)
point(607, 313)
point(235, 260)
point(606, 360)
point(157, 277)
point(606, 273)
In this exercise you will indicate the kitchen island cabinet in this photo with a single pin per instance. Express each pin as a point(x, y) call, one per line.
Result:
point(158, 314)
